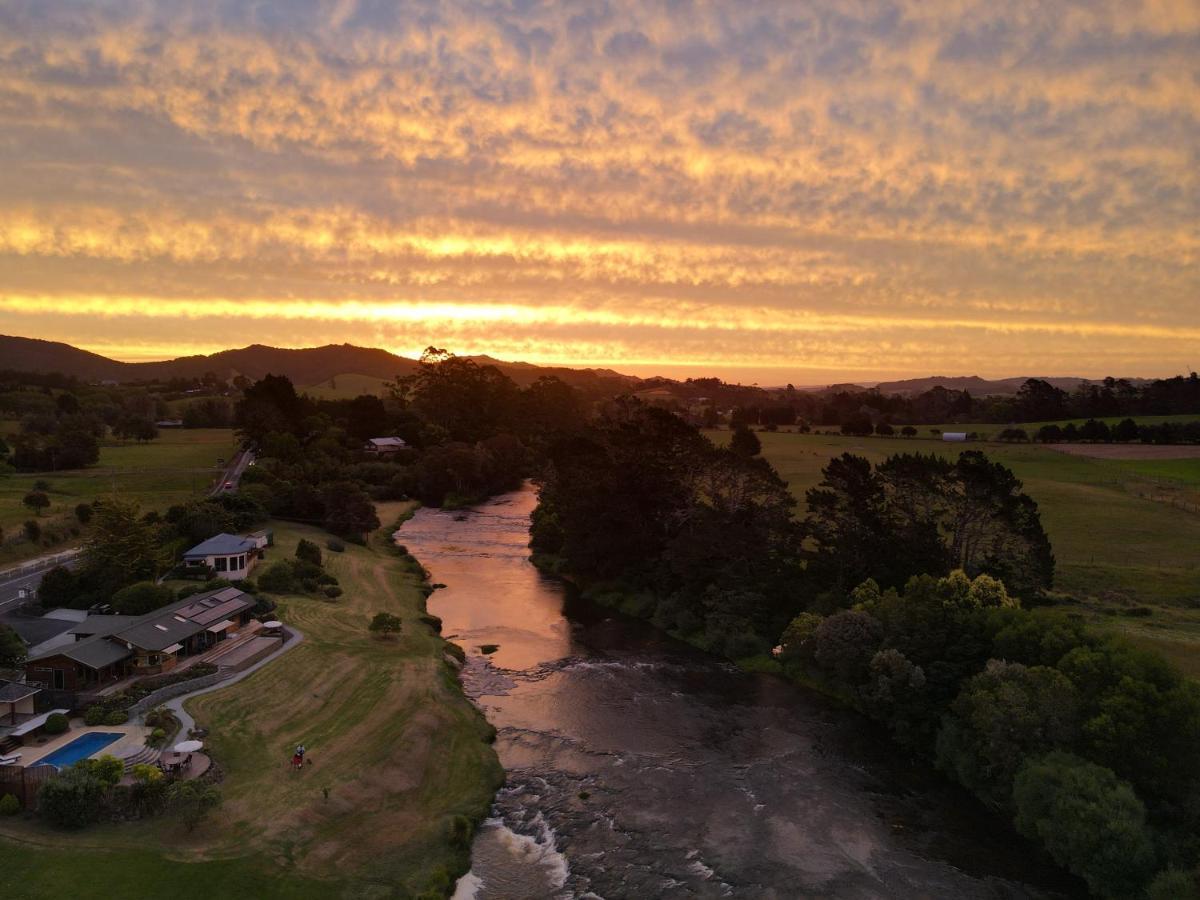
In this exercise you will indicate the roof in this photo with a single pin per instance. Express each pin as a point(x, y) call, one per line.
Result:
point(388, 442)
point(94, 652)
point(93, 625)
point(11, 691)
point(221, 545)
point(156, 633)
point(217, 605)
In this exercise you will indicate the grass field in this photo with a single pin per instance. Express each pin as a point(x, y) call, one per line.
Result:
point(990, 429)
point(347, 387)
point(180, 464)
point(1122, 530)
point(392, 738)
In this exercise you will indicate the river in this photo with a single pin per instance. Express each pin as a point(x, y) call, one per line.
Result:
point(638, 767)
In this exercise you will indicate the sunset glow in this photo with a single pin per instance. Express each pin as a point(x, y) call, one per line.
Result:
point(794, 192)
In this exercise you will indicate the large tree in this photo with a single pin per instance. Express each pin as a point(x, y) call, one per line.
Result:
point(922, 514)
point(121, 549)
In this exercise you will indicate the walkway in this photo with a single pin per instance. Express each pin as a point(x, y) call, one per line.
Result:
point(175, 705)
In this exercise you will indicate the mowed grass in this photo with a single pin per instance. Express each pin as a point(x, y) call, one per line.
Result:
point(1116, 544)
point(394, 743)
point(179, 465)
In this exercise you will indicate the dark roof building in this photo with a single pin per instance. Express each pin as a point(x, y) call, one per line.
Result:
point(108, 648)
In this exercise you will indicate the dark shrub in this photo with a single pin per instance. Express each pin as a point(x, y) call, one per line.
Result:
point(278, 578)
point(333, 592)
point(308, 552)
point(73, 799)
point(56, 724)
point(83, 512)
point(116, 717)
point(95, 715)
point(9, 805)
point(335, 545)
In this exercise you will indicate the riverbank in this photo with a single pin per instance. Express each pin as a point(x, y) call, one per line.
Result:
point(398, 754)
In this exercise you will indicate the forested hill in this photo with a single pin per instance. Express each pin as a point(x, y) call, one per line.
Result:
point(305, 367)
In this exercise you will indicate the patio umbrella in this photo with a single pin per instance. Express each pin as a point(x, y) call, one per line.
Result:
point(272, 624)
point(188, 746)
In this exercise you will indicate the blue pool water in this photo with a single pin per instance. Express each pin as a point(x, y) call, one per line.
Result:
point(80, 748)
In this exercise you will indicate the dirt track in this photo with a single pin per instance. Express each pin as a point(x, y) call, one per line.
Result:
point(1130, 451)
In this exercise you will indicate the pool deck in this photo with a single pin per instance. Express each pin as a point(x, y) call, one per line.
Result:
point(135, 739)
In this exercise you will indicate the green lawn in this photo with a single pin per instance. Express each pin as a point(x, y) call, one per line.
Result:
point(44, 872)
point(1116, 545)
point(180, 464)
point(391, 737)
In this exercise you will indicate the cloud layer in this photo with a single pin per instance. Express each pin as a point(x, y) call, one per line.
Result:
point(868, 187)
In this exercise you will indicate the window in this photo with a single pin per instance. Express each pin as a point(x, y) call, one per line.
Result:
point(241, 562)
point(60, 680)
point(221, 563)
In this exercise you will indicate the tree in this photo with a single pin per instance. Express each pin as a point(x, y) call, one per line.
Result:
point(470, 401)
point(384, 624)
point(308, 552)
point(845, 643)
point(12, 648)
point(1040, 401)
point(83, 512)
point(883, 429)
point(33, 531)
point(192, 801)
point(36, 500)
point(745, 442)
point(908, 431)
point(1004, 714)
point(1088, 820)
point(1125, 431)
point(858, 424)
point(349, 512)
point(58, 588)
point(142, 597)
point(121, 550)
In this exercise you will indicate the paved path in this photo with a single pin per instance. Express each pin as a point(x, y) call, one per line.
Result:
point(175, 705)
point(28, 576)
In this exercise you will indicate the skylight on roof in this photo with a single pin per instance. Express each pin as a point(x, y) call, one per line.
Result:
point(161, 627)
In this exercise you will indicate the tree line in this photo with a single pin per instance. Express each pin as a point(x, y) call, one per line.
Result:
point(1035, 401)
point(913, 590)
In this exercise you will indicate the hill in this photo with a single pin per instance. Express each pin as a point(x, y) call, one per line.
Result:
point(306, 367)
point(980, 387)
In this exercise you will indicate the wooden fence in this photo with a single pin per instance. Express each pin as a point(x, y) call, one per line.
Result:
point(24, 783)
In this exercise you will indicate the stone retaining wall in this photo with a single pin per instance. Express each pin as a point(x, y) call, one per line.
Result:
point(163, 694)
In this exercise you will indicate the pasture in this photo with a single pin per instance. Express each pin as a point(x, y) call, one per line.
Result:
point(178, 465)
point(1125, 532)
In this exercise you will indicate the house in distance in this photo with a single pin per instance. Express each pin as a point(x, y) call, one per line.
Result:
point(227, 555)
point(385, 446)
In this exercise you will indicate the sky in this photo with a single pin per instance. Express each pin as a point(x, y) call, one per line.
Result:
point(770, 192)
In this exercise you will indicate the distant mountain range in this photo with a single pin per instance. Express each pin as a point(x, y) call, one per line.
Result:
point(313, 366)
point(306, 367)
point(979, 387)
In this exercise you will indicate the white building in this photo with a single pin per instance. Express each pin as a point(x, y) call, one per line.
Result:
point(229, 556)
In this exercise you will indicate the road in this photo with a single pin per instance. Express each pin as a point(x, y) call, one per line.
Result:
point(233, 473)
point(28, 576)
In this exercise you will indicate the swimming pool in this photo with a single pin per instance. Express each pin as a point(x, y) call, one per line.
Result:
point(80, 748)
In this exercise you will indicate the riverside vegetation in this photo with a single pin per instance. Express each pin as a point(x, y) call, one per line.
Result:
point(912, 590)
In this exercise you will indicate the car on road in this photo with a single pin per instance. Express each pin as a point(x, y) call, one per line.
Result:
point(228, 485)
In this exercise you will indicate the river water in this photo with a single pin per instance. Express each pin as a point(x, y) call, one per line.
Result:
point(638, 767)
